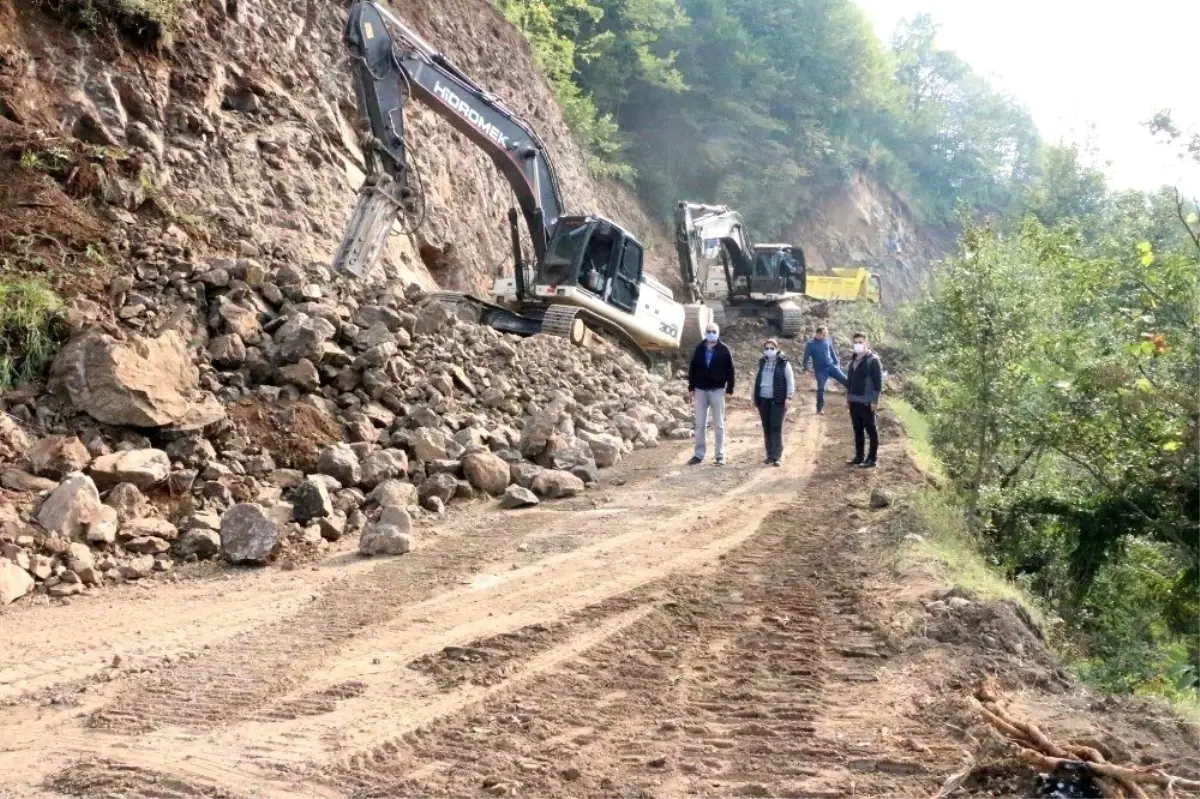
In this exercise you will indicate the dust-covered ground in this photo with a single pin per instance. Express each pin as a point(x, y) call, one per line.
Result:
point(681, 631)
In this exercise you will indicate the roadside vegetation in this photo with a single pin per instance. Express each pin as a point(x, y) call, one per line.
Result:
point(1057, 363)
point(763, 104)
point(31, 328)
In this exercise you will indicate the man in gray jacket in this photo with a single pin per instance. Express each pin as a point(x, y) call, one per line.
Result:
point(864, 383)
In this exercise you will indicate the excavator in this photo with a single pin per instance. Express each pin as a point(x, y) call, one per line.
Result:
point(755, 280)
point(586, 276)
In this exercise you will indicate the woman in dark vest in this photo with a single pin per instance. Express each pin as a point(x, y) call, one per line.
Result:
point(774, 387)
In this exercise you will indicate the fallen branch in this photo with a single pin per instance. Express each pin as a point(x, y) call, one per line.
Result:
point(1037, 749)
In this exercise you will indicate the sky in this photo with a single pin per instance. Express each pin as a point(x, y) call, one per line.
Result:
point(1088, 71)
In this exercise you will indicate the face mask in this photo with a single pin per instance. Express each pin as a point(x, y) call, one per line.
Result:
point(769, 354)
point(710, 337)
point(859, 349)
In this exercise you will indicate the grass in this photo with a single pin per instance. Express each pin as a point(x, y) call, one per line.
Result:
point(31, 317)
point(932, 531)
point(149, 22)
point(920, 447)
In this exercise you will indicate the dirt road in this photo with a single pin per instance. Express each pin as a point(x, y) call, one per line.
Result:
point(681, 630)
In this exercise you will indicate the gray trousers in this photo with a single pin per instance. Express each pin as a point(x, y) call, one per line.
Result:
point(714, 400)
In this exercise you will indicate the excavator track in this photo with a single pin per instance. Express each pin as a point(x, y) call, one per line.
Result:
point(791, 319)
point(461, 305)
point(573, 323)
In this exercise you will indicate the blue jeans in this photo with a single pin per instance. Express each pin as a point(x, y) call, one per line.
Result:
point(823, 376)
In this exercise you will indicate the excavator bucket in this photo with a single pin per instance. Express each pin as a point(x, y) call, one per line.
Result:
point(367, 232)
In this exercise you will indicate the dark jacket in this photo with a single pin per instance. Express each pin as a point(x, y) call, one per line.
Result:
point(779, 391)
point(718, 374)
point(821, 354)
point(865, 379)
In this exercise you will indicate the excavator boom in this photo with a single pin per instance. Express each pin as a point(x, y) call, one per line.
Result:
point(389, 62)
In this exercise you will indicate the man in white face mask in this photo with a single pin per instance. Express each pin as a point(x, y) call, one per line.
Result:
point(710, 380)
point(864, 383)
point(774, 387)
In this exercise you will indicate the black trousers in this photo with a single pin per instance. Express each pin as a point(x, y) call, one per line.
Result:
point(863, 419)
point(771, 413)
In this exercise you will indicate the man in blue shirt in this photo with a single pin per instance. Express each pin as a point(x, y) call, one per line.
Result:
point(819, 350)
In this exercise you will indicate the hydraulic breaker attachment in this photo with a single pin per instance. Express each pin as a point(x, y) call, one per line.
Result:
point(366, 234)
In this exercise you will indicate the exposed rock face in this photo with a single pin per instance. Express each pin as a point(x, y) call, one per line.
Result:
point(142, 382)
point(13, 440)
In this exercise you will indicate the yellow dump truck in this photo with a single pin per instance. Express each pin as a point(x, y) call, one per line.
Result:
point(848, 284)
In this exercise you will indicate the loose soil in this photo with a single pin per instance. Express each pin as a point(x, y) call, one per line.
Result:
point(295, 432)
point(680, 630)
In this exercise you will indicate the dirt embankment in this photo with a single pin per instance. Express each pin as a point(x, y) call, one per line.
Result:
point(242, 135)
point(865, 223)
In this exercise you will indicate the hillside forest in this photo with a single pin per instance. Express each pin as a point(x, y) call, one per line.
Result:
point(1055, 358)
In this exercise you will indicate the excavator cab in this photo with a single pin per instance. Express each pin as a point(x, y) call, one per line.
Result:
point(595, 255)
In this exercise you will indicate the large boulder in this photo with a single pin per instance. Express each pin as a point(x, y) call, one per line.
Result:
point(311, 501)
point(394, 492)
point(13, 441)
point(517, 497)
point(340, 463)
point(554, 484)
point(15, 582)
point(441, 487)
point(538, 428)
point(57, 456)
point(71, 507)
point(302, 336)
point(389, 535)
point(386, 464)
point(140, 467)
point(248, 535)
point(434, 444)
point(487, 472)
point(140, 382)
point(204, 544)
point(606, 449)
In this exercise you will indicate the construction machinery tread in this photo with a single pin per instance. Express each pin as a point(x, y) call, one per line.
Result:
point(566, 322)
point(571, 322)
point(791, 322)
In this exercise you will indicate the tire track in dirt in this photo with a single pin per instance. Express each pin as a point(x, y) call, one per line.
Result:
point(298, 688)
point(717, 691)
point(249, 671)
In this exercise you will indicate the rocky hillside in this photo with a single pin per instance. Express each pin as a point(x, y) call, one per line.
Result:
point(242, 135)
point(309, 416)
point(865, 223)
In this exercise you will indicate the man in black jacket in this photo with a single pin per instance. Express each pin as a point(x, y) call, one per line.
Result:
point(710, 380)
point(864, 383)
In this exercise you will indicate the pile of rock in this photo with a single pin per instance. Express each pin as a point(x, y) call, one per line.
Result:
point(281, 415)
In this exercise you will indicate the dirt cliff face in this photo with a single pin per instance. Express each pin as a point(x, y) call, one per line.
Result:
point(865, 223)
point(242, 135)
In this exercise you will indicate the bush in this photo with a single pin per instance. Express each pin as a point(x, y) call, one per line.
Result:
point(31, 329)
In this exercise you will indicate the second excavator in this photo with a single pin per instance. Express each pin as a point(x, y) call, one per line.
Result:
point(756, 280)
point(722, 267)
point(587, 273)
